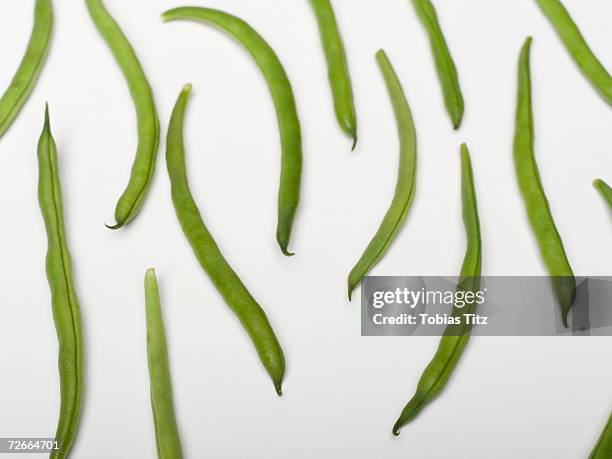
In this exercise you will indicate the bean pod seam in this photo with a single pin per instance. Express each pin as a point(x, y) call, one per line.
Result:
point(66, 311)
point(406, 178)
point(251, 315)
point(27, 74)
point(456, 337)
point(131, 200)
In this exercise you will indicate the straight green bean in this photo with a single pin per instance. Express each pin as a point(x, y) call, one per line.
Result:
point(337, 66)
point(284, 102)
point(166, 431)
point(131, 200)
point(251, 315)
point(66, 314)
point(603, 448)
point(578, 48)
point(456, 337)
point(406, 178)
point(532, 191)
point(605, 190)
point(445, 66)
point(27, 74)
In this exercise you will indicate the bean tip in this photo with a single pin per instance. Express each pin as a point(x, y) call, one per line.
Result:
point(354, 136)
point(116, 226)
point(188, 87)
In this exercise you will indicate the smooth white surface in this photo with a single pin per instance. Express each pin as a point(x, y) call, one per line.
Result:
point(509, 398)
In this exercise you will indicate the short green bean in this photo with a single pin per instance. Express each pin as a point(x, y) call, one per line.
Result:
point(406, 178)
point(603, 448)
point(456, 337)
point(27, 74)
point(578, 48)
point(284, 101)
point(64, 300)
point(131, 200)
point(337, 66)
point(605, 190)
point(536, 203)
point(445, 66)
point(166, 432)
point(231, 288)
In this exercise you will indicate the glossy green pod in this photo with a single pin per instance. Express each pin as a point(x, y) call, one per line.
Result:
point(445, 65)
point(251, 315)
point(131, 200)
point(284, 102)
point(337, 67)
point(22, 84)
point(406, 178)
point(453, 342)
point(167, 436)
point(66, 311)
point(603, 448)
point(605, 191)
point(578, 48)
point(532, 191)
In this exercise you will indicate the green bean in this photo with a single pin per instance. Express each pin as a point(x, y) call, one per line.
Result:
point(31, 65)
point(536, 203)
point(231, 288)
point(284, 102)
point(456, 337)
point(406, 178)
point(605, 190)
point(603, 448)
point(166, 432)
point(578, 48)
point(337, 65)
point(445, 66)
point(131, 200)
point(64, 300)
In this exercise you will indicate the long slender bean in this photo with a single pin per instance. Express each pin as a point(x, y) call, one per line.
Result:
point(284, 102)
point(251, 315)
point(64, 300)
point(445, 66)
point(166, 431)
point(605, 190)
point(455, 339)
point(536, 203)
point(578, 48)
point(131, 200)
point(337, 66)
point(406, 178)
point(31, 65)
point(603, 448)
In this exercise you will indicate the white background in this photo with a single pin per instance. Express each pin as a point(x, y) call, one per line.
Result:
point(509, 397)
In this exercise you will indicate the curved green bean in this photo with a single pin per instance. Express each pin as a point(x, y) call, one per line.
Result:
point(166, 431)
point(605, 190)
point(251, 315)
point(131, 200)
point(455, 338)
point(536, 203)
point(337, 66)
point(603, 448)
point(406, 178)
point(445, 66)
point(64, 300)
point(284, 102)
point(31, 65)
point(578, 48)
